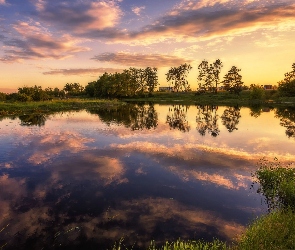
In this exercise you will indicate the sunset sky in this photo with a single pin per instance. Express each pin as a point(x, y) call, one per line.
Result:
point(52, 42)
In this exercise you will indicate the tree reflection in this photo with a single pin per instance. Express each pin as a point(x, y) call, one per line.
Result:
point(134, 116)
point(255, 110)
point(176, 118)
point(32, 120)
point(287, 119)
point(207, 120)
point(230, 118)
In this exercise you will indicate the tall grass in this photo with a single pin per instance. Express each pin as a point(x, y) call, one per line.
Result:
point(272, 231)
point(179, 245)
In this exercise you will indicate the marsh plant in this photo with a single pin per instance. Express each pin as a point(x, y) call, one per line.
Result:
point(277, 184)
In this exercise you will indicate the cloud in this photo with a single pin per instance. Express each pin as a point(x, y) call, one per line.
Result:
point(2, 2)
point(34, 42)
point(81, 71)
point(193, 21)
point(50, 145)
point(79, 17)
point(141, 60)
point(207, 22)
point(137, 10)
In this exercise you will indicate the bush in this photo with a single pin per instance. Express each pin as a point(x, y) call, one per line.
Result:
point(23, 98)
point(277, 184)
point(2, 96)
point(257, 93)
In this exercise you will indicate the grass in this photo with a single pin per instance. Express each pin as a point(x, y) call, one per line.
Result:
point(272, 231)
point(18, 108)
point(186, 98)
point(180, 245)
point(221, 98)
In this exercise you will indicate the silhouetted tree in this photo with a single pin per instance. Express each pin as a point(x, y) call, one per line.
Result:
point(209, 75)
point(233, 81)
point(287, 86)
point(178, 77)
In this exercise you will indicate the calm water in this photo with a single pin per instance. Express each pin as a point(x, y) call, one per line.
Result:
point(83, 180)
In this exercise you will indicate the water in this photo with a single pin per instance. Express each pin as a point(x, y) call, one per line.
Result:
point(88, 179)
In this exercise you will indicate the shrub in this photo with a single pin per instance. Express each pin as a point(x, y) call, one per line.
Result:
point(257, 93)
point(277, 184)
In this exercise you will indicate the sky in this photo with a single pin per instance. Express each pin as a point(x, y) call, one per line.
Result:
point(50, 43)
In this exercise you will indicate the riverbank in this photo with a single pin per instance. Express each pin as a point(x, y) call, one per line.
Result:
point(184, 98)
point(45, 107)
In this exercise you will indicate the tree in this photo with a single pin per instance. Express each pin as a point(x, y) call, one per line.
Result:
point(290, 76)
point(209, 75)
point(233, 81)
point(74, 89)
point(151, 78)
point(35, 93)
point(287, 86)
point(178, 77)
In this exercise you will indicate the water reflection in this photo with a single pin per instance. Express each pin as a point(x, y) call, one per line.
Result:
point(33, 120)
point(82, 182)
point(230, 118)
point(287, 119)
point(134, 116)
point(207, 119)
point(177, 118)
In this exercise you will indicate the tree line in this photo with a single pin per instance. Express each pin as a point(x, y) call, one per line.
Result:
point(134, 82)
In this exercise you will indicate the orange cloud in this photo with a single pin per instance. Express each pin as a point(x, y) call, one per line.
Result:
point(141, 60)
point(193, 21)
point(81, 71)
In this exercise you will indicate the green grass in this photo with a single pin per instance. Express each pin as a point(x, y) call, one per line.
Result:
point(18, 108)
point(272, 231)
point(179, 245)
point(221, 98)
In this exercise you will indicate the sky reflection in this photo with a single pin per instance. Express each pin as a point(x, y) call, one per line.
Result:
point(84, 179)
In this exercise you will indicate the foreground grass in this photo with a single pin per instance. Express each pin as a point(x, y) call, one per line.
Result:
point(272, 231)
point(181, 245)
point(17, 108)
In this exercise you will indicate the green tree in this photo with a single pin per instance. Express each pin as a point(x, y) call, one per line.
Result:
point(233, 81)
point(73, 89)
point(178, 77)
point(35, 93)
